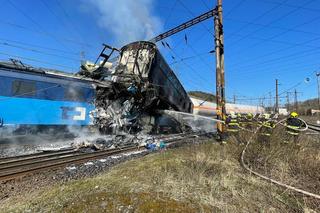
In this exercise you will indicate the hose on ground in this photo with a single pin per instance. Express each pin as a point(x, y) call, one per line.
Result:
point(300, 130)
point(268, 178)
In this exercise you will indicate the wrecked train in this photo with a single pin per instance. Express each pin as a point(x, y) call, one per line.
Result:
point(142, 84)
point(37, 99)
point(128, 100)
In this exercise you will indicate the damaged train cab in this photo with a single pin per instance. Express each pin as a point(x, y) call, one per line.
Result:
point(143, 83)
point(33, 100)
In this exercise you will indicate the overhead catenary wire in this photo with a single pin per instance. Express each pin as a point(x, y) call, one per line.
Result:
point(36, 60)
point(39, 46)
point(38, 51)
point(189, 66)
point(73, 24)
point(291, 5)
point(192, 14)
point(257, 18)
point(36, 23)
point(272, 70)
point(271, 22)
point(190, 57)
point(65, 39)
point(58, 18)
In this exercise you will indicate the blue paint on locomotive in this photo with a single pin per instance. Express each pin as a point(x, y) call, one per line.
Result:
point(30, 111)
point(40, 99)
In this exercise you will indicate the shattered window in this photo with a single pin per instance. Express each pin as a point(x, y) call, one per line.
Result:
point(23, 88)
point(143, 60)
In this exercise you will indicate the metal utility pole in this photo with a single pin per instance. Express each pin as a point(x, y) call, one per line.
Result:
point(318, 76)
point(220, 83)
point(277, 97)
point(270, 101)
point(234, 99)
point(263, 99)
point(288, 101)
point(295, 99)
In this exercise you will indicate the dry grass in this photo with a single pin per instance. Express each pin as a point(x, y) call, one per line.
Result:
point(198, 178)
point(296, 163)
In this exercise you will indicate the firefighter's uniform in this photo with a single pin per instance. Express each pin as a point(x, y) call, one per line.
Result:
point(248, 121)
point(266, 128)
point(232, 124)
point(293, 125)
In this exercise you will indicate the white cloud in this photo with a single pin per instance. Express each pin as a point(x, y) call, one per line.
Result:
point(127, 20)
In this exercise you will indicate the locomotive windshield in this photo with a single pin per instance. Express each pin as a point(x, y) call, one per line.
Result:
point(136, 59)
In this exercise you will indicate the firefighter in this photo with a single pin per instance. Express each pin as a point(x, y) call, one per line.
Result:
point(232, 123)
point(248, 121)
point(293, 124)
point(266, 127)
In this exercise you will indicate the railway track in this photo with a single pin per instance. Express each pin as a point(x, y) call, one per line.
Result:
point(13, 167)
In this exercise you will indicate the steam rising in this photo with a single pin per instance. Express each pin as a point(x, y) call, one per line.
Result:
point(127, 20)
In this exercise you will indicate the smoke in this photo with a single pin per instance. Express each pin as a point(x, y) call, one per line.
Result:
point(127, 20)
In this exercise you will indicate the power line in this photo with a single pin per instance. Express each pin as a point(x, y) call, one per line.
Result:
point(170, 13)
point(72, 24)
point(283, 49)
point(190, 57)
point(268, 27)
point(39, 46)
point(275, 71)
point(56, 16)
point(293, 6)
point(190, 67)
point(38, 51)
point(258, 17)
point(36, 60)
point(68, 40)
point(273, 21)
point(205, 4)
point(35, 23)
point(235, 7)
point(189, 11)
point(281, 59)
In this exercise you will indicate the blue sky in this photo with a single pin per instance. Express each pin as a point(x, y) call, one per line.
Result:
point(264, 39)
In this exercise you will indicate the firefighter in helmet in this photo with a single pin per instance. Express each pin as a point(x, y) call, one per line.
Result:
point(293, 124)
point(266, 127)
point(248, 121)
point(232, 123)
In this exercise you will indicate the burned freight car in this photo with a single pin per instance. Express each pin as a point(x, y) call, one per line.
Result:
point(142, 84)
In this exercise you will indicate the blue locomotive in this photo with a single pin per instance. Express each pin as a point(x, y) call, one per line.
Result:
point(30, 96)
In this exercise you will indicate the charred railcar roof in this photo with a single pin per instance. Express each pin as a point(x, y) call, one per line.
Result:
point(138, 44)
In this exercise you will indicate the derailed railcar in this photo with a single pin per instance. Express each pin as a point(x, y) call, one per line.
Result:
point(142, 65)
point(142, 85)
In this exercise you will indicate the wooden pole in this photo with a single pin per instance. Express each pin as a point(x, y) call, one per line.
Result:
point(220, 80)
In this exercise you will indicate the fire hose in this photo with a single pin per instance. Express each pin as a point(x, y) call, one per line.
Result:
point(268, 178)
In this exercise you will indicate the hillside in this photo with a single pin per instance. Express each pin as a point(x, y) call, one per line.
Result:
point(304, 107)
point(203, 95)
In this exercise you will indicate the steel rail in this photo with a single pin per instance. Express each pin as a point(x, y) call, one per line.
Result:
point(32, 164)
point(38, 155)
point(11, 173)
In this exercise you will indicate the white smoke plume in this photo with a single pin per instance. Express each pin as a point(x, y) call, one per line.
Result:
point(127, 20)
